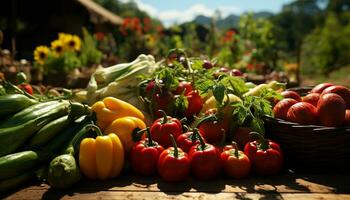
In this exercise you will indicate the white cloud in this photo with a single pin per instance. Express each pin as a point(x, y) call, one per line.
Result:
point(172, 16)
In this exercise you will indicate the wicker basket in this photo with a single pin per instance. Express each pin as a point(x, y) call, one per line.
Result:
point(309, 146)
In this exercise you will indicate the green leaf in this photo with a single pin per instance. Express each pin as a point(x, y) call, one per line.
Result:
point(219, 93)
point(257, 125)
point(204, 85)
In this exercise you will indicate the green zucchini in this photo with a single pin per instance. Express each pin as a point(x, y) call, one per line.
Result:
point(14, 137)
point(49, 131)
point(63, 170)
point(30, 113)
point(12, 103)
point(16, 181)
point(17, 163)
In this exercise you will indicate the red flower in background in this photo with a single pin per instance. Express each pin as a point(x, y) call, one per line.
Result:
point(99, 36)
point(147, 24)
point(250, 66)
point(229, 35)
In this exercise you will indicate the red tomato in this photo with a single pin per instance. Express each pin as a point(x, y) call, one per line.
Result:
point(291, 94)
point(195, 103)
point(341, 91)
point(302, 113)
point(311, 98)
point(320, 87)
point(347, 118)
point(331, 110)
point(281, 108)
point(184, 86)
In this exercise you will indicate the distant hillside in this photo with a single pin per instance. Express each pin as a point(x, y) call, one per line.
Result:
point(229, 21)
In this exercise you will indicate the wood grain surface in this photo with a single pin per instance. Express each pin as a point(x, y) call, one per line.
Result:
point(288, 185)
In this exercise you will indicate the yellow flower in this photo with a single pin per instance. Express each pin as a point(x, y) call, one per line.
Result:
point(72, 42)
point(62, 37)
point(41, 53)
point(57, 47)
point(150, 40)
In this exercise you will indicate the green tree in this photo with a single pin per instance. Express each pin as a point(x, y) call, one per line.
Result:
point(327, 48)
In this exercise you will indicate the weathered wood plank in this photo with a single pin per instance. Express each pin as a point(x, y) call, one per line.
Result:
point(109, 195)
point(282, 184)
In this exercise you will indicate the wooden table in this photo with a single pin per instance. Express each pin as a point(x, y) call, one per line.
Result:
point(288, 185)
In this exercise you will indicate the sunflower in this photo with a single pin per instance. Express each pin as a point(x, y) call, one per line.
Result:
point(40, 54)
point(57, 47)
point(72, 42)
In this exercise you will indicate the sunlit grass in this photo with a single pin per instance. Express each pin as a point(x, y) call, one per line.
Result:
point(339, 77)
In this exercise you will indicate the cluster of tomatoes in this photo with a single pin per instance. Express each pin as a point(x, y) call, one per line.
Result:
point(326, 104)
point(164, 99)
point(174, 155)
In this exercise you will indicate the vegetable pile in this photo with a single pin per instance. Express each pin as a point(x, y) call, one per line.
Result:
point(176, 118)
point(326, 104)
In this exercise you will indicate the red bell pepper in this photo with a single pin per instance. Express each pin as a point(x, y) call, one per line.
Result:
point(195, 103)
point(163, 127)
point(236, 164)
point(145, 155)
point(174, 164)
point(205, 160)
point(212, 128)
point(26, 87)
point(265, 155)
point(187, 140)
point(23, 84)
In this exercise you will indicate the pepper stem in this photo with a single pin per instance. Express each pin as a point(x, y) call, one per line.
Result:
point(201, 141)
point(195, 134)
point(165, 117)
point(149, 136)
point(176, 151)
point(94, 128)
point(264, 144)
point(236, 149)
point(206, 119)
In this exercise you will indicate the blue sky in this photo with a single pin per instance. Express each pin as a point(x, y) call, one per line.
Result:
point(178, 11)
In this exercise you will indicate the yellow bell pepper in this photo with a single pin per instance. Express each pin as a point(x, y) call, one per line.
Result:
point(111, 108)
point(101, 158)
point(125, 127)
